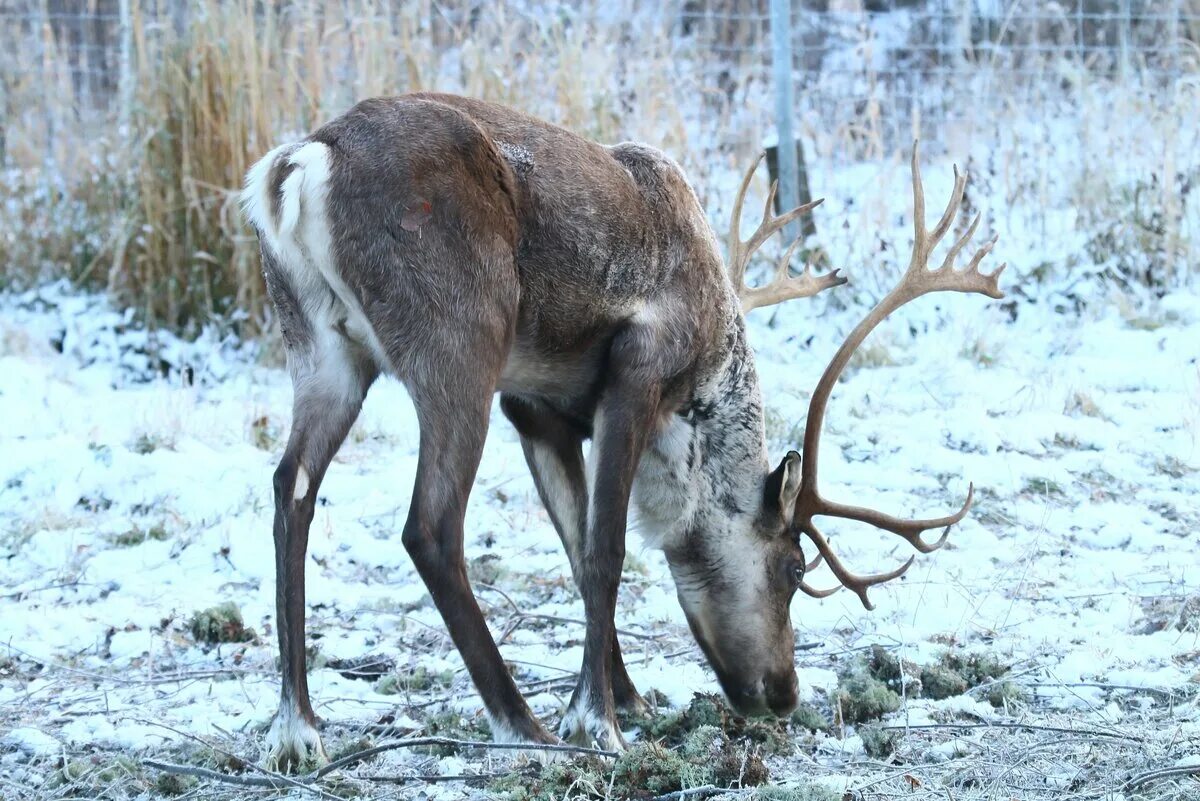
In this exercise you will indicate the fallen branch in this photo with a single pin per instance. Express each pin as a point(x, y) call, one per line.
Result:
point(279, 781)
point(1155, 775)
point(466, 778)
point(274, 781)
point(1026, 726)
point(279, 778)
point(415, 742)
point(696, 792)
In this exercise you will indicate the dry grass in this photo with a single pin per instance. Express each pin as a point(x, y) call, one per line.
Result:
point(149, 212)
point(139, 198)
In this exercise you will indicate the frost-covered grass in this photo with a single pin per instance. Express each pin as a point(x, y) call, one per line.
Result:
point(1090, 169)
point(1051, 650)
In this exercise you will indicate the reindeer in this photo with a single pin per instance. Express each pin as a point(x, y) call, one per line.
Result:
point(467, 249)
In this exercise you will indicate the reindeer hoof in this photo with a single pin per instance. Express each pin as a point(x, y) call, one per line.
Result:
point(528, 732)
point(633, 705)
point(591, 728)
point(293, 745)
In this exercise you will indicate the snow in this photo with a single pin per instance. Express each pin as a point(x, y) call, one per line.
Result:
point(1080, 431)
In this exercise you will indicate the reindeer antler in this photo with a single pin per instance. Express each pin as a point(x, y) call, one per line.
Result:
point(784, 286)
point(918, 280)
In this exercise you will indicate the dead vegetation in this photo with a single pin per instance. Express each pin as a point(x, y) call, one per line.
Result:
point(1024, 749)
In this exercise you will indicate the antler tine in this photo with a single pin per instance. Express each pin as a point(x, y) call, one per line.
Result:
point(909, 530)
point(809, 589)
point(737, 264)
point(917, 280)
point(851, 581)
point(783, 286)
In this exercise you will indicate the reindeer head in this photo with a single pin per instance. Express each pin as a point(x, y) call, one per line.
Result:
point(737, 571)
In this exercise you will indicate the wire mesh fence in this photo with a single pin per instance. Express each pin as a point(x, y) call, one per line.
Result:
point(891, 64)
point(126, 125)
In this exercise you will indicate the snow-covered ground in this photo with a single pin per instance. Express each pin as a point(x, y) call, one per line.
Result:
point(128, 502)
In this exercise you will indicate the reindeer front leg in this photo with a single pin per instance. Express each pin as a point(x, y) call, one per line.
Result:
point(553, 447)
point(623, 422)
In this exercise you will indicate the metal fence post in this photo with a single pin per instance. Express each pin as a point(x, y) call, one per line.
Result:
point(781, 62)
point(125, 84)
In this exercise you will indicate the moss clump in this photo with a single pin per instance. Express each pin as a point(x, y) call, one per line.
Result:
point(1006, 693)
point(581, 778)
point(96, 777)
point(455, 726)
point(220, 623)
point(350, 747)
point(147, 443)
point(136, 536)
point(416, 680)
point(975, 669)
point(804, 791)
point(878, 742)
point(809, 717)
point(939, 681)
point(861, 697)
point(644, 771)
point(264, 433)
point(710, 710)
point(716, 760)
point(486, 569)
point(896, 673)
point(171, 784)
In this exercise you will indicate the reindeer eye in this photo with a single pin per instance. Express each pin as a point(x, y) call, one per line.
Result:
point(796, 573)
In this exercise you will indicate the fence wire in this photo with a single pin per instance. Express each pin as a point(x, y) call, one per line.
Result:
point(871, 65)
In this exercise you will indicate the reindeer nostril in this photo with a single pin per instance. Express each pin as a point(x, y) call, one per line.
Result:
point(782, 693)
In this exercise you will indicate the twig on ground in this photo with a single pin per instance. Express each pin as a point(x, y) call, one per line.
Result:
point(696, 792)
point(466, 778)
point(307, 782)
point(285, 781)
point(231, 778)
point(1164, 773)
point(415, 742)
point(1026, 726)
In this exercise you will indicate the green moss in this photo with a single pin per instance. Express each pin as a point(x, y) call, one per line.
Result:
point(220, 623)
point(723, 763)
point(705, 709)
point(349, 747)
point(414, 681)
point(456, 726)
point(136, 536)
point(939, 681)
point(644, 771)
point(810, 718)
point(976, 669)
point(878, 742)
point(897, 674)
point(1005, 694)
point(486, 569)
point(1045, 487)
point(98, 776)
point(861, 697)
point(172, 784)
point(265, 433)
point(147, 443)
point(804, 791)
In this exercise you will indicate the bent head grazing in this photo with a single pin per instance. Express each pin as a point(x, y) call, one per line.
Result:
point(734, 544)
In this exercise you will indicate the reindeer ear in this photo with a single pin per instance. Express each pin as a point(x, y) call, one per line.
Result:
point(783, 485)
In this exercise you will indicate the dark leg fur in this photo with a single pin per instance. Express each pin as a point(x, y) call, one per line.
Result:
point(322, 416)
point(554, 452)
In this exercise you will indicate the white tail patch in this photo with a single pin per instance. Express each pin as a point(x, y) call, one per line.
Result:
point(256, 194)
point(305, 186)
point(301, 240)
